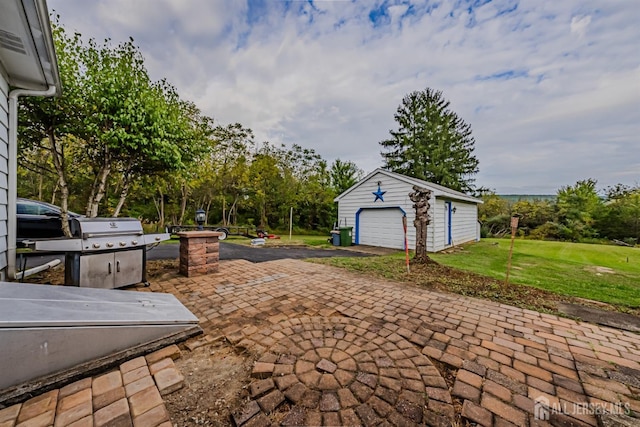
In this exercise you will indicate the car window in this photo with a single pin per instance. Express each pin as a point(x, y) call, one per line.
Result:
point(27, 209)
point(43, 210)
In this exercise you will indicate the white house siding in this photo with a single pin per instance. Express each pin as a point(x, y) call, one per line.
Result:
point(437, 226)
point(379, 223)
point(361, 199)
point(464, 222)
point(397, 195)
point(4, 148)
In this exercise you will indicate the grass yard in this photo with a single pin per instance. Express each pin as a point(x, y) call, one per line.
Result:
point(549, 271)
point(604, 273)
point(296, 240)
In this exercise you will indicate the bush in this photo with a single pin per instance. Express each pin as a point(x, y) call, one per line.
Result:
point(548, 231)
point(484, 233)
point(497, 226)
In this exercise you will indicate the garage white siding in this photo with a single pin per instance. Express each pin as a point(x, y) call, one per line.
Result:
point(464, 219)
point(396, 196)
point(379, 222)
point(438, 226)
point(464, 222)
point(380, 227)
point(4, 149)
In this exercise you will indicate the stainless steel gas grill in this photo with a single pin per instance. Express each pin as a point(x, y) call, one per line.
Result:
point(104, 252)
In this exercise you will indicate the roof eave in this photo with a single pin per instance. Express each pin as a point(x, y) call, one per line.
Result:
point(412, 181)
point(38, 70)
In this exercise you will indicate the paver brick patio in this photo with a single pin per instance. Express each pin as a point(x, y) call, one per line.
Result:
point(125, 396)
point(336, 348)
point(340, 346)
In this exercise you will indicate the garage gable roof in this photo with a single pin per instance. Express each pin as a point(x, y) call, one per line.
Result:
point(438, 190)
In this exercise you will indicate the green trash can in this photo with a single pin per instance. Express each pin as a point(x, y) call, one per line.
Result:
point(345, 236)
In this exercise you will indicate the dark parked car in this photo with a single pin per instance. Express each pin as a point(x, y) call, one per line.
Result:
point(38, 220)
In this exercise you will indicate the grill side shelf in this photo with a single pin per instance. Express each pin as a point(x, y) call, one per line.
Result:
point(71, 245)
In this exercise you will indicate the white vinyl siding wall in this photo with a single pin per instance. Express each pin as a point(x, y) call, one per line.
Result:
point(464, 222)
point(4, 149)
point(437, 226)
point(380, 223)
point(397, 195)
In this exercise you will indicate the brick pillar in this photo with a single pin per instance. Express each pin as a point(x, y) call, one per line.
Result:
point(199, 252)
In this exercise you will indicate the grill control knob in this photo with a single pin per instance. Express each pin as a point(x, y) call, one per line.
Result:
point(123, 243)
point(96, 245)
point(134, 242)
point(109, 244)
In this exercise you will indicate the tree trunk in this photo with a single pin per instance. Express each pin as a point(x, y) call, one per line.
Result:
point(124, 192)
point(209, 207)
point(420, 198)
point(232, 210)
point(59, 165)
point(98, 189)
point(184, 192)
point(263, 215)
point(40, 180)
point(160, 208)
point(54, 192)
point(224, 210)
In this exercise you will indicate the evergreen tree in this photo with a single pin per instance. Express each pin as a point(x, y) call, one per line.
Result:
point(431, 143)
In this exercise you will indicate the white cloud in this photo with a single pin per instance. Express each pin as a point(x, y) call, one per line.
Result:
point(579, 25)
point(551, 89)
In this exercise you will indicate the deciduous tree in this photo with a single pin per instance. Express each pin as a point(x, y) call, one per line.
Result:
point(113, 117)
point(577, 205)
point(344, 174)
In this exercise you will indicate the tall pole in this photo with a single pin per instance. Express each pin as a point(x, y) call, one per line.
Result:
point(290, 222)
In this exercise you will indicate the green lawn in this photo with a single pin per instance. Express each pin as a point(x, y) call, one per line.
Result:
point(560, 267)
point(296, 240)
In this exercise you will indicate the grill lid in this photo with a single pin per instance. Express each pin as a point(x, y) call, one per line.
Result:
point(102, 234)
point(87, 228)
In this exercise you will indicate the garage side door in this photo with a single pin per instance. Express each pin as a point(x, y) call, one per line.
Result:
point(381, 227)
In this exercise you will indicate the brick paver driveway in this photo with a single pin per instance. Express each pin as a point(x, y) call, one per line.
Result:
point(343, 349)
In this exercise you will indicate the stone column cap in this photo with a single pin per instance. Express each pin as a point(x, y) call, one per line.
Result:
point(199, 233)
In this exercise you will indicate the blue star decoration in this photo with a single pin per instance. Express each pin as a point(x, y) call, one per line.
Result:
point(378, 194)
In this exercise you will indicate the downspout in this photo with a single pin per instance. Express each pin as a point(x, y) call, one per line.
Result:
point(12, 179)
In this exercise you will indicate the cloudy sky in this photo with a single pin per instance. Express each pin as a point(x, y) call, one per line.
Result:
point(551, 88)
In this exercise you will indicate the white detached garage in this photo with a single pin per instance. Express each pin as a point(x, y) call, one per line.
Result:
point(375, 206)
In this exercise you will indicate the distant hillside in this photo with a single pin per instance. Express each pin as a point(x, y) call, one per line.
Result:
point(512, 198)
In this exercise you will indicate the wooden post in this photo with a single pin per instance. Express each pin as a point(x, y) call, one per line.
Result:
point(514, 227)
point(406, 244)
